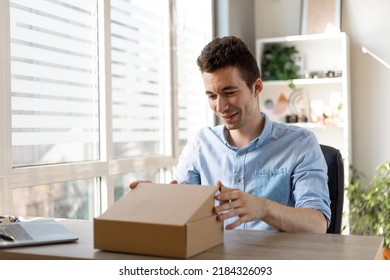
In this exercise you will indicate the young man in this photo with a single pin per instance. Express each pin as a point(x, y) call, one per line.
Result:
point(275, 174)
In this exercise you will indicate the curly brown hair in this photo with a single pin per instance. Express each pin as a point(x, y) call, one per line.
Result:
point(229, 51)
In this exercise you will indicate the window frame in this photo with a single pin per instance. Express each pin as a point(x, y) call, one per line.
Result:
point(5, 122)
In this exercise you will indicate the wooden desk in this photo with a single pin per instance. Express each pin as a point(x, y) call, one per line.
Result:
point(238, 245)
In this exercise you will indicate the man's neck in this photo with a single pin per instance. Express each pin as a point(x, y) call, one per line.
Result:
point(241, 137)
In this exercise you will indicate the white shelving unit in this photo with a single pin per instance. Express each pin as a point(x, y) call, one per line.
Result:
point(324, 101)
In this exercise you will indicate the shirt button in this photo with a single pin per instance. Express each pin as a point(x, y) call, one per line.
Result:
point(238, 180)
point(270, 174)
point(241, 153)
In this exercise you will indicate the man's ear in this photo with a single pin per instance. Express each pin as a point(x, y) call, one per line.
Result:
point(258, 86)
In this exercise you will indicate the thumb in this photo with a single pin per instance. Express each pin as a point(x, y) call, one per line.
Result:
point(219, 185)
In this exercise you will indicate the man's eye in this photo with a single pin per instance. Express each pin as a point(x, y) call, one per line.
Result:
point(212, 96)
point(230, 92)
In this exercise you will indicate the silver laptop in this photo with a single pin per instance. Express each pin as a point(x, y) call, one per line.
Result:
point(34, 233)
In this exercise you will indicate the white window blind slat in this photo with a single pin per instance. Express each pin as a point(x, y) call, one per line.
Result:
point(87, 6)
point(63, 59)
point(142, 75)
point(45, 138)
point(54, 23)
point(45, 88)
point(141, 124)
point(146, 11)
point(43, 122)
point(138, 99)
point(132, 35)
point(130, 19)
point(75, 11)
point(47, 40)
point(132, 86)
point(47, 105)
point(54, 72)
point(137, 59)
point(136, 137)
point(136, 113)
point(140, 69)
point(126, 51)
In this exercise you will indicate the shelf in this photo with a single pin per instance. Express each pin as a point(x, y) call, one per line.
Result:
point(316, 81)
point(313, 97)
point(315, 38)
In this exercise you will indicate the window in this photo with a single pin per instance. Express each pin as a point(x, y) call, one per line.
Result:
point(72, 199)
point(54, 82)
point(95, 94)
point(192, 34)
point(140, 77)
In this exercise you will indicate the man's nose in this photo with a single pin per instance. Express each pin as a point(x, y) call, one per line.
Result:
point(222, 104)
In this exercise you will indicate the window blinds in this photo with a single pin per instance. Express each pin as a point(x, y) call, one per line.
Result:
point(140, 77)
point(54, 99)
point(193, 33)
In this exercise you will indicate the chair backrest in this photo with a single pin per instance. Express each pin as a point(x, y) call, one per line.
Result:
point(334, 161)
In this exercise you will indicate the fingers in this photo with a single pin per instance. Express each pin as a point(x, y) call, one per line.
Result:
point(227, 194)
point(221, 187)
point(233, 204)
point(226, 206)
point(230, 203)
point(234, 225)
point(135, 183)
point(235, 212)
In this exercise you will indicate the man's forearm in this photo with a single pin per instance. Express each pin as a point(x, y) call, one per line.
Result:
point(291, 219)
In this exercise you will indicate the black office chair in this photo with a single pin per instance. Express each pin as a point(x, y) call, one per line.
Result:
point(336, 186)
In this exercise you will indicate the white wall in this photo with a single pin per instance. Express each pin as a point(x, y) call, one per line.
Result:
point(367, 24)
point(275, 18)
point(236, 17)
point(241, 20)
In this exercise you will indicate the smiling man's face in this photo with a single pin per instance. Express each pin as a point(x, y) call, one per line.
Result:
point(230, 98)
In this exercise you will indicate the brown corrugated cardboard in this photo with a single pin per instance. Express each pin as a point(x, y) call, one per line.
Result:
point(168, 220)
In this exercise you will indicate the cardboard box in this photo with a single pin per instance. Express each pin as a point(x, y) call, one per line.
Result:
point(163, 220)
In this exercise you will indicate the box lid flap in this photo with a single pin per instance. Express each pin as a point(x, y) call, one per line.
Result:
point(170, 204)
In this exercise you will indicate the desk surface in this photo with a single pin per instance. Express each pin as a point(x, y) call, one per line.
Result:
point(238, 245)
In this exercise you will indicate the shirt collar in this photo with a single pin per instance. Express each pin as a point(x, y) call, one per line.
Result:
point(259, 140)
point(266, 130)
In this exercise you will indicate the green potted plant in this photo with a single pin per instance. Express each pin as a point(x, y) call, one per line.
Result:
point(369, 205)
point(278, 63)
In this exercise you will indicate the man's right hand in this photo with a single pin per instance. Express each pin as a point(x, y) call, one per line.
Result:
point(135, 183)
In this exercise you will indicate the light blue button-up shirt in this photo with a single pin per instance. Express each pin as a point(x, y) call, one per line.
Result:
point(284, 164)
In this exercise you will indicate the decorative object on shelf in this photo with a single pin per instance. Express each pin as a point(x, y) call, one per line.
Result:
point(299, 105)
point(281, 105)
point(320, 16)
point(278, 62)
point(291, 107)
point(269, 104)
point(369, 205)
point(322, 74)
point(328, 113)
